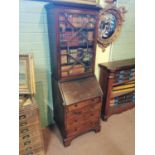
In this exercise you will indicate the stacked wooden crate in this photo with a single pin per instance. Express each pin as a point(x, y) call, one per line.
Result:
point(30, 134)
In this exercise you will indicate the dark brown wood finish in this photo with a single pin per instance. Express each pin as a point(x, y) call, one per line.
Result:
point(109, 72)
point(53, 12)
point(77, 98)
point(75, 117)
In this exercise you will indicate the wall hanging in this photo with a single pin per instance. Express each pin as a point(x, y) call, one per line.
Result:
point(110, 23)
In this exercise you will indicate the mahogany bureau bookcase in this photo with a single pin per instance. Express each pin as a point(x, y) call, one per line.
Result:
point(117, 81)
point(77, 95)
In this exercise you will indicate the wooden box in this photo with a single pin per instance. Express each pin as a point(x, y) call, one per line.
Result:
point(30, 134)
point(117, 81)
point(77, 107)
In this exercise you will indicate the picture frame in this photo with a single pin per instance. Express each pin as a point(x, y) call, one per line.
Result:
point(26, 74)
point(110, 24)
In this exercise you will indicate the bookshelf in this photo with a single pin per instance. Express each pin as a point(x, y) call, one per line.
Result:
point(73, 34)
point(117, 80)
point(77, 96)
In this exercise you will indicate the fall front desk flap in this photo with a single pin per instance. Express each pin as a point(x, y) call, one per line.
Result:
point(79, 90)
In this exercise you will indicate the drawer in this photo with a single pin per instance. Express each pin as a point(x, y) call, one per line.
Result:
point(83, 104)
point(82, 128)
point(88, 116)
point(78, 113)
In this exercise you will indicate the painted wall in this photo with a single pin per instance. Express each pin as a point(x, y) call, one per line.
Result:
point(34, 39)
point(124, 47)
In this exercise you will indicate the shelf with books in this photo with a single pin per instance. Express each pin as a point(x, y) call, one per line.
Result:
point(77, 46)
point(124, 82)
point(117, 80)
point(120, 108)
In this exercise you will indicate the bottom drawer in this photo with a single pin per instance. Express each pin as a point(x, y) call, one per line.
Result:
point(82, 128)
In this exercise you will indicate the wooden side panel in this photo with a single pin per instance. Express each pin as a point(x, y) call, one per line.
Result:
point(52, 31)
point(103, 80)
point(59, 109)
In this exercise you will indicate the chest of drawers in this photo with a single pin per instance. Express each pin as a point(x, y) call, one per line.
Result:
point(117, 81)
point(30, 135)
point(77, 107)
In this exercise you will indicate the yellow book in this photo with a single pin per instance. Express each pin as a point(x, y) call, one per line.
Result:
point(124, 86)
point(121, 92)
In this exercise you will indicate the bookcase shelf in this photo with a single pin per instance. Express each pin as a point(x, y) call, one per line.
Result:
point(117, 80)
point(75, 47)
point(120, 108)
point(125, 81)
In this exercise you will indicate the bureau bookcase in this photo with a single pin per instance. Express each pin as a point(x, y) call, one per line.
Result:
point(77, 95)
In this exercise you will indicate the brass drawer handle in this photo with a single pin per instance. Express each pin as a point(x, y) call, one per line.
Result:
point(91, 123)
point(75, 105)
point(75, 120)
point(96, 100)
point(91, 114)
point(77, 113)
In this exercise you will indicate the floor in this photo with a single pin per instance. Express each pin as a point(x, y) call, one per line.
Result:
point(116, 137)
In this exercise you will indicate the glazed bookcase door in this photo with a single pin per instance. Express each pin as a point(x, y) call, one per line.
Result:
point(76, 43)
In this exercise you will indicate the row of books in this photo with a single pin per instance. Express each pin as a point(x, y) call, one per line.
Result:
point(127, 98)
point(80, 54)
point(72, 36)
point(72, 44)
point(124, 75)
point(78, 20)
point(69, 70)
point(123, 88)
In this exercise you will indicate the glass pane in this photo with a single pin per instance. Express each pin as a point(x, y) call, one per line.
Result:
point(23, 75)
point(77, 32)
